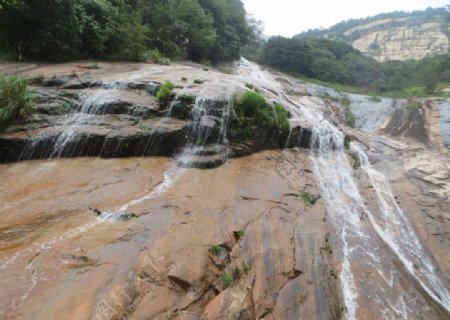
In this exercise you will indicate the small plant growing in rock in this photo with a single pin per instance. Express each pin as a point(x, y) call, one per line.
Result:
point(345, 102)
point(226, 280)
point(237, 273)
point(309, 199)
point(333, 273)
point(349, 116)
point(198, 81)
point(238, 235)
point(246, 267)
point(165, 94)
point(216, 249)
point(327, 247)
point(183, 79)
point(249, 85)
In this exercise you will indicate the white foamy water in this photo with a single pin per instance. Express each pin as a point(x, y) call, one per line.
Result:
point(397, 232)
point(369, 272)
point(87, 115)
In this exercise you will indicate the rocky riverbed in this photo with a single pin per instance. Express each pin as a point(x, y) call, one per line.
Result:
point(139, 235)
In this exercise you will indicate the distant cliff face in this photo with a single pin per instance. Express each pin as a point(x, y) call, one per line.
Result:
point(394, 36)
point(401, 39)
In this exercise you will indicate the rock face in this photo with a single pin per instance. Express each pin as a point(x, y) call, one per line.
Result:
point(401, 39)
point(395, 36)
point(88, 115)
point(253, 237)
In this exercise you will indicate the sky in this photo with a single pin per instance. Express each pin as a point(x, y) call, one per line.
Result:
point(289, 17)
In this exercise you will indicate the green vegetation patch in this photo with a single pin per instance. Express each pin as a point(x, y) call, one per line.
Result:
point(15, 99)
point(165, 94)
point(349, 116)
point(216, 249)
point(253, 111)
point(412, 105)
point(226, 280)
point(186, 98)
point(310, 199)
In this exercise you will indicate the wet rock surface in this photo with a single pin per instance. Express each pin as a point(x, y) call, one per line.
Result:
point(112, 112)
point(253, 237)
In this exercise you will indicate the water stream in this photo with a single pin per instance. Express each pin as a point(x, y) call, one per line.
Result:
point(370, 276)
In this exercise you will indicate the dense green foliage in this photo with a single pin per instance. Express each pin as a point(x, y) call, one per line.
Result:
point(213, 30)
point(15, 99)
point(337, 62)
point(254, 111)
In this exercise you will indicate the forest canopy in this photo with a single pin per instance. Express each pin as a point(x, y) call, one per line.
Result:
point(337, 62)
point(214, 30)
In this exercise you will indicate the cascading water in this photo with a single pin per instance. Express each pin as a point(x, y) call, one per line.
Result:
point(396, 231)
point(371, 277)
point(88, 114)
point(208, 130)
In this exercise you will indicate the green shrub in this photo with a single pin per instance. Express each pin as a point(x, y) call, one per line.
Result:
point(156, 57)
point(186, 98)
point(345, 102)
point(216, 249)
point(15, 99)
point(226, 280)
point(253, 109)
point(246, 267)
point(165, 94)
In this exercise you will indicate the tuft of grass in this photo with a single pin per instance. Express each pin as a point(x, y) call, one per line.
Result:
point(249, 85)
point(246, 267)
point(237, 273)
point(226, 280)
point(327, 247)
point(216, 249)
point(165, 94)
point(15, 99)
point(198, 81)
point(183, 79)
point(156, 57)
point(349, 116)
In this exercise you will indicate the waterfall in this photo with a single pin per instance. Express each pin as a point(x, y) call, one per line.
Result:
point(88, 115)
point(207, 134)
point(396, 231)
point(370, 276)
